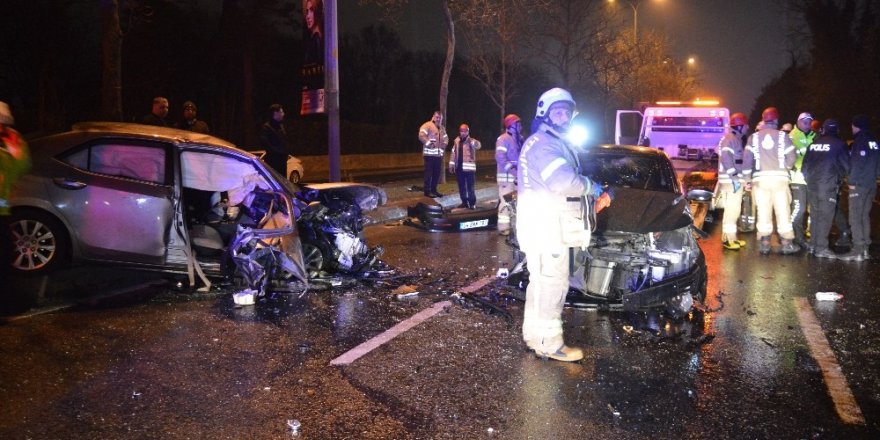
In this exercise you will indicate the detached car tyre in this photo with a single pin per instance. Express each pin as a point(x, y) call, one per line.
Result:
point(40, 243)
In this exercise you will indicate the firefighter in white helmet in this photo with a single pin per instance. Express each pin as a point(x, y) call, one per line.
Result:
point(767, 159)
point(507, 149)
point(550, 221)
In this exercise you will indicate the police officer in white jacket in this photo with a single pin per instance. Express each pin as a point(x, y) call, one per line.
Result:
point(550, 220)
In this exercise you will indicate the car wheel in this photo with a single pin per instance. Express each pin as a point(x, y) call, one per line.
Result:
point(40, 243)
point(294, 176)
point(313, 259)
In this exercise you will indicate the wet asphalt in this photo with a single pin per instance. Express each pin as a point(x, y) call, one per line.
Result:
point(153, 362)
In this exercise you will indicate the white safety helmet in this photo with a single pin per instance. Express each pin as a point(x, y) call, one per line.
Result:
point(551, 97)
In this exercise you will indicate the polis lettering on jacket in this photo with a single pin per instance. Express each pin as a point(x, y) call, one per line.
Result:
point(820, 147)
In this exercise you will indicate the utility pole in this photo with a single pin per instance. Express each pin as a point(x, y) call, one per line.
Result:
point(331, 85)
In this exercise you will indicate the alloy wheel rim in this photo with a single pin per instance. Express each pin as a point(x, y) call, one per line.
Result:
point(34, 244)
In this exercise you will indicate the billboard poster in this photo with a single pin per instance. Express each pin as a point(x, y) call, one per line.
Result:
point(312, 71)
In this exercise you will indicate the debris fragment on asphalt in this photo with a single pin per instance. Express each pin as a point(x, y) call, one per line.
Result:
point(828, 296)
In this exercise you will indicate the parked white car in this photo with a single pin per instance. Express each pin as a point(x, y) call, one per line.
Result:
point(295, 170)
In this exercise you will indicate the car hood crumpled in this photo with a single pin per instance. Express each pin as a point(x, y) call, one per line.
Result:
point(641, 211)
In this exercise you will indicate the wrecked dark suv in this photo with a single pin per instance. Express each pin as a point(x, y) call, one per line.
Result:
point(643, 253)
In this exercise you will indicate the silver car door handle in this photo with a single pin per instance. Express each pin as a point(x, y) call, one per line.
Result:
point(69, 184)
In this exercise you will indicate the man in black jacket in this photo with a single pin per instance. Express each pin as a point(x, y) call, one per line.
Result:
point(864, 168)
point(824, 166)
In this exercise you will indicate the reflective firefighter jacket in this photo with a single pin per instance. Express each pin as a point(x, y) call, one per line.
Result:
point(550, 211)
point(433, 139)
point(468, 150)
point(507, 149)
point(768, 156)
point(730, 145)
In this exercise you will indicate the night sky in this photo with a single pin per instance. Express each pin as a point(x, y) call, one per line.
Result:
point(739, 45)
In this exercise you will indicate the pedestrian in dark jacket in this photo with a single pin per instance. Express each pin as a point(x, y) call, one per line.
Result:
point(190, 122)
point(864, 168)
point(157, 113)
point(825, 164)
point(273, 138)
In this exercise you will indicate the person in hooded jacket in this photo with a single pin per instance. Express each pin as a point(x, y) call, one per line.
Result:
point(825, 165)
point(864, 168)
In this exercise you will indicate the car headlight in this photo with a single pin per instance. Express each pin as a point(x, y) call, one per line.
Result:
point(676, 251)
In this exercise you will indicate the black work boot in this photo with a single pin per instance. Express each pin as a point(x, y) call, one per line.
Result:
point(856, 254)
point(845, 240)
point(788, 247)
point(764, 248)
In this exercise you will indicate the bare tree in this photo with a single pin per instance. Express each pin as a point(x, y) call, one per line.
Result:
point(392, 8)
point(494, 31)
point(111, 52)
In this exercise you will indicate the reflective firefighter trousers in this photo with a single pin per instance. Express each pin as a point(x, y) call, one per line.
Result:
point(545, 298)
point(732, 209)
point(773, 199)
point(505, 211)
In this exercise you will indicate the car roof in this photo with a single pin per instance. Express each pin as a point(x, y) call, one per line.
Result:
point(87, 130)
point(625, 149)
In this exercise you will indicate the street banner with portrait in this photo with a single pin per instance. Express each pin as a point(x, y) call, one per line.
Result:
point(313, 62)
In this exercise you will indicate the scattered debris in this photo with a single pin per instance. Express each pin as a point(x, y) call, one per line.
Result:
point(828, 296)
point(503, 273)
point(405, 291)
point(244, 297)
point(463, 298)
point(136, 394)
point(294, 426)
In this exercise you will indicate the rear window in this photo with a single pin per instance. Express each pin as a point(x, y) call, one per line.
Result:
point(652, 173)
point(141, 162)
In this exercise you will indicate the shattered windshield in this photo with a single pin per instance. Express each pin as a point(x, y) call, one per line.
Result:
point(650, 173)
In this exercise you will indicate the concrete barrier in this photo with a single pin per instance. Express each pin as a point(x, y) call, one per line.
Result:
point(365, 164)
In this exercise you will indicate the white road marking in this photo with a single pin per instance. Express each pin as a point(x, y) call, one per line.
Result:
point(370, 345)
point(69, 304)
point(844, 402)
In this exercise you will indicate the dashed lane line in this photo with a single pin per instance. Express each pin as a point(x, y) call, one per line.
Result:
point(370, 345)
point(844, 402)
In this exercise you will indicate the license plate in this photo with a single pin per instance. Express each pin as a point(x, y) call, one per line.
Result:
point(473, 224)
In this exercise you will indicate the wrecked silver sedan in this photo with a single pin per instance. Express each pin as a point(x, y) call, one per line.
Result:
point(175, 201)
point(643, 253)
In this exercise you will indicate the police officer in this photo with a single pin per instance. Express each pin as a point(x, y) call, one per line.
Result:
point(801, 136)
point(729, 180)
point(864, 168)
point(769, 156)
point(432, 136)
point(825, 165)
point(550, 190)
point(507, 149)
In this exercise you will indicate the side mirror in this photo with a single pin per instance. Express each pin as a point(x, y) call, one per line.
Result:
point(700, 195)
